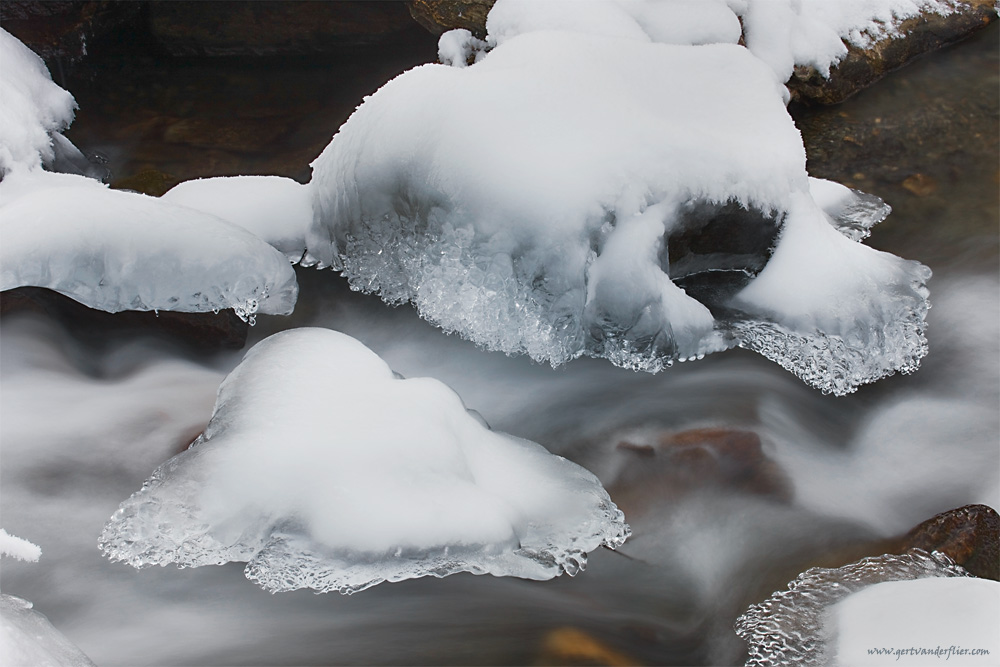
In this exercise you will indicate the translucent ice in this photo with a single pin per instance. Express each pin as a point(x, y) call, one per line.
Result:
point(578, 194)
point(27, 638)
point(791, 626)
point(114, 250)
point(323, 469)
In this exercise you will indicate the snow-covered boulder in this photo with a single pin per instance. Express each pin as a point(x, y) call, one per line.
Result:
point(576, 194)
point(323, 469)
point(275, 209)
point(115, 251)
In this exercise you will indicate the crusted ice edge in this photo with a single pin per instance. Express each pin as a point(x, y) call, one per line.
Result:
point(282, 557)
point(788, 627)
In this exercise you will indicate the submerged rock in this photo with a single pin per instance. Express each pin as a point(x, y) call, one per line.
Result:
point(677, 464)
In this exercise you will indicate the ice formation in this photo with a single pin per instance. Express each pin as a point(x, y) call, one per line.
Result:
point(107, 249)
point(791, 626)
point(28, 638)
point(275, 209)
point(578, 194)
point(323, 469)
point(114, 250)
point(16, 547)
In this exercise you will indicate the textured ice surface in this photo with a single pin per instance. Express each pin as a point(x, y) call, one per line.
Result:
point(791, 626)
point(323, 469)
point(114, 250)
point(27, 638)
point(16, 547)
point(274, 209)
point(657, 219)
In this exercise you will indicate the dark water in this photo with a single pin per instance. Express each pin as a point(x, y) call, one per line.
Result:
point(76, 442)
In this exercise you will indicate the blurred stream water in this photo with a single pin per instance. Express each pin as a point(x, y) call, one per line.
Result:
point(83, 426)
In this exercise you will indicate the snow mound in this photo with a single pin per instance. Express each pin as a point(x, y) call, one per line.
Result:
point(960, 614)
point(781, 33)
point(790, 627)
point(34, 108)
point(659, 219)
point(323, 469)
point(115, 251)
point(28, 638)
point(276, 210)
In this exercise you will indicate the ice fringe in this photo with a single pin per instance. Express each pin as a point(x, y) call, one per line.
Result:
point(660, 221)
point(788, 628)
point(322, 469)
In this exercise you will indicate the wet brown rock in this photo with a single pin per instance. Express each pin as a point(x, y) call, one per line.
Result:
point(439, 16)
point(199, 331)
point(270, 27)
point(862, 67)
point(681, 463)
point(571, 646)
point(969, 535)
point(920, 184)
point(147, 181)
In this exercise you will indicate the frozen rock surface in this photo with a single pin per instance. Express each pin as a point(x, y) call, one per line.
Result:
point(323, 469)
point(660, 219)
point(115, 251)
point(791, 626)
point(27, 638)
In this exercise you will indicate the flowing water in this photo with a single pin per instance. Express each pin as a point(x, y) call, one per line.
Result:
point(83, 424)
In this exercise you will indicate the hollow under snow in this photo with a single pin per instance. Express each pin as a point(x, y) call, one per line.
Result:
point(323, 469)
point(574, 194)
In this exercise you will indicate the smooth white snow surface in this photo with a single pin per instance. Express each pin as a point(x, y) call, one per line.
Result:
point(32, 107)
point(275, 209)
point(782, 33)
point(924, 622)
point(19, 548)
point(27, 639)
point(114, 250)
point(573, 194)
point(323, 469)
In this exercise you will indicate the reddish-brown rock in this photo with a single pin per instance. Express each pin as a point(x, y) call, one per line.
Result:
point(689, 461)
point(969, 535)
point(441, 15)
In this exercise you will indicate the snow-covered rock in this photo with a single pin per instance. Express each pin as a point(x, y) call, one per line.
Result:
point(275, 209)
point(323, 469)
point(114, 250)
point(576, 194)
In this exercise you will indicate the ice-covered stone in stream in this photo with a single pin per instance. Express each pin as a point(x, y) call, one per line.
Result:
point(576, 194)
point(323, 469)
point(115, 251)
point(793, 626)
